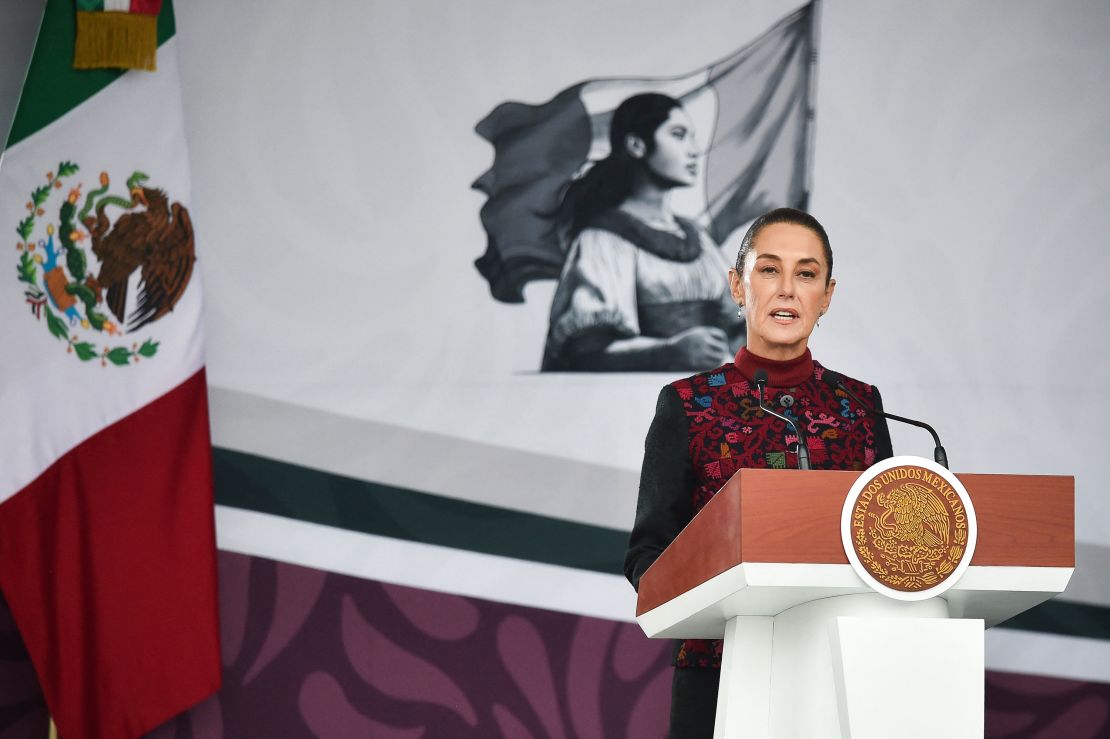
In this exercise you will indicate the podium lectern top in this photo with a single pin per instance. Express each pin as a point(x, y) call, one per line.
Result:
point(793, 517)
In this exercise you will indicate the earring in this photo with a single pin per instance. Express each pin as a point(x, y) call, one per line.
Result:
point(739, 310)
point(819, 317)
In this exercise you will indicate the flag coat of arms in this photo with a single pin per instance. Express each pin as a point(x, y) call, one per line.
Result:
point(107, 545)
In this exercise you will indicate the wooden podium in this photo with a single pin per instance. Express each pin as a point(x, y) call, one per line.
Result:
point(810, 650)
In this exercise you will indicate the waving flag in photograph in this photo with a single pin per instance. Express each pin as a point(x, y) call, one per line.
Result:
point(107, 545)
point(755, 108)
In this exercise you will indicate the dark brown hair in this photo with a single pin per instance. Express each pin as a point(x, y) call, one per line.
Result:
point(609, 182)
point(784, 215)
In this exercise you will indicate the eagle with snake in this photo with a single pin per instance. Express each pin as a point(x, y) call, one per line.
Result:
point(153, 236)
point(919, 516)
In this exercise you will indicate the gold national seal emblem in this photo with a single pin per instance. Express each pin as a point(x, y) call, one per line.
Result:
point(908, 528)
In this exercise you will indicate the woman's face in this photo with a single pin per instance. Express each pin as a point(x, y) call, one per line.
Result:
point(783, 289)
point(675, 158)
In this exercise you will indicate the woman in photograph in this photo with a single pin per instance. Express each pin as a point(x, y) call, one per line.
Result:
point(708, 426)
point(641, 288)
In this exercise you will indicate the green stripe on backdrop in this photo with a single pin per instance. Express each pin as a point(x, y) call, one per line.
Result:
point(53, 87)
point(269, 486)
point(1065, 619)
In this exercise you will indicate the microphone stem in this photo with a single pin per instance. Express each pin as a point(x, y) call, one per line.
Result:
point(803, 450)
point(939, 455)
point(803, 454)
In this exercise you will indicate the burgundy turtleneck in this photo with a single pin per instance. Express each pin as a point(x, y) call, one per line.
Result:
point(780, 373)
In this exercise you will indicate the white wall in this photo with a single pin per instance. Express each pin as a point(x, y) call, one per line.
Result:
point(961, 164)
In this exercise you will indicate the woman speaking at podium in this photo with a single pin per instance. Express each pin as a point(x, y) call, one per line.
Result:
point(708, 426)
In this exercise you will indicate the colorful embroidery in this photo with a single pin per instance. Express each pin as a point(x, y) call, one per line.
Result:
point(721, 405)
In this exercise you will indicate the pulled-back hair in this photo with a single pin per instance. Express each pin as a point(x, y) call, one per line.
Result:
point(784, 215)
point(609, 182)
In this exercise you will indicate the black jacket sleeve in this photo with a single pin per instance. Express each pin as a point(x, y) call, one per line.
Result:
point(884, 449)
point(665, 503)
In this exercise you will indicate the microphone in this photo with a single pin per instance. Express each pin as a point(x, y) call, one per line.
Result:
point(803, 450)
point(836, 382)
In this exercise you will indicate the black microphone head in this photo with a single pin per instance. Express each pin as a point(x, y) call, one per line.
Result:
point(836, 382)
point(831, 379)
point(761, 376)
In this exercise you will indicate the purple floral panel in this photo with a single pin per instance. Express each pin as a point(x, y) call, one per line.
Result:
point(1028, 706)
point(315, 654)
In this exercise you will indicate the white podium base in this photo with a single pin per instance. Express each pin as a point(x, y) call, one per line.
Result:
point(857, 666)
point(912, 678)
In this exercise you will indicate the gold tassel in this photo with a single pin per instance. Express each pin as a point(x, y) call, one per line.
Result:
point(111, 39)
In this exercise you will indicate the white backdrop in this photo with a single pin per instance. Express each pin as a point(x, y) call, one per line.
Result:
point(961, 161)
point(962, 166)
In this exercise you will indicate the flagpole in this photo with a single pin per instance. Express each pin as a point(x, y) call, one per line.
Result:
point(53, 729)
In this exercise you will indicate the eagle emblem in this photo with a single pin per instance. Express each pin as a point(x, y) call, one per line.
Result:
point(913, 514)
point(94, 305)
point(908, 525)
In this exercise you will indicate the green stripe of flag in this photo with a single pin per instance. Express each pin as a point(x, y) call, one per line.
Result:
point(268, 486)
point(53, 87)
point(90, 5)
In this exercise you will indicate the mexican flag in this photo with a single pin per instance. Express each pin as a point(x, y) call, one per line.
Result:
point(107, 545)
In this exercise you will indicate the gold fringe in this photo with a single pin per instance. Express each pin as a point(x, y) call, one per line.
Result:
point(111, 39)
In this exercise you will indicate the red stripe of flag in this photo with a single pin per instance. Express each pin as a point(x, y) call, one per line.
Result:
point(147, 7)
point(108, 563)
